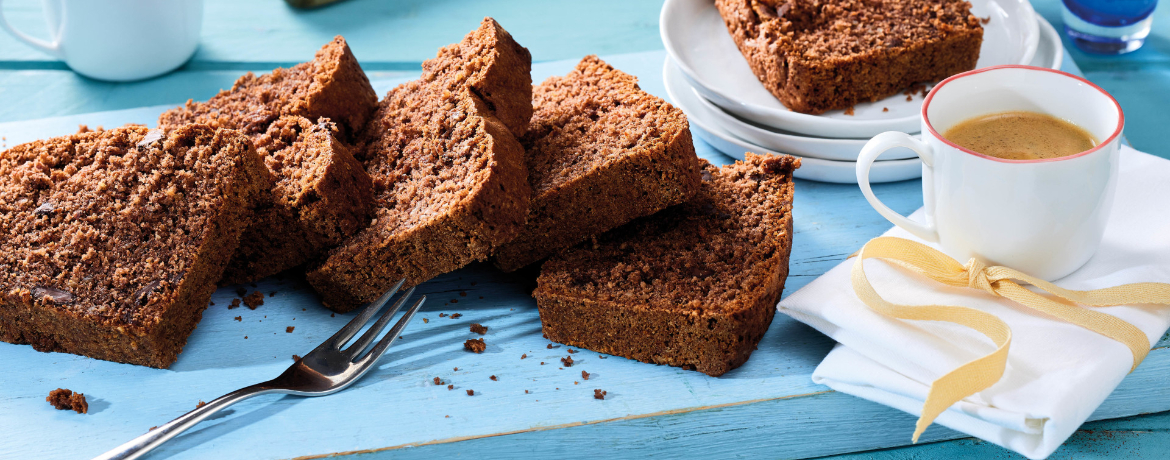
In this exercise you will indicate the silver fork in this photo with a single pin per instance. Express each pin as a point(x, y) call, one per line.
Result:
point(325, 370)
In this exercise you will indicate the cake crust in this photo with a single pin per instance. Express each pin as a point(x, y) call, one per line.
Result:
point(600, 153)
point(449, 178)
point(118, 237)
point(820, 56)
point(693, 286)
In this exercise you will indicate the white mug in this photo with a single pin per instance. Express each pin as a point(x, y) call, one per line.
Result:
point(1042, 217)
point(119, 40)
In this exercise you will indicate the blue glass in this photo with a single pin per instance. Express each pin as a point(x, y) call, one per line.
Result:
point(1108, 26)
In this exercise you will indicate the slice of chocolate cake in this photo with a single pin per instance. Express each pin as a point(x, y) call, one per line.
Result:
point(115, 239)
point(297, 118)
point(601, 152)
point(332, 85)
point(322, 195)
point(448, 171)
point(694, 286)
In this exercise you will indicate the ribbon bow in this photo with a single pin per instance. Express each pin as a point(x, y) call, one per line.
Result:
point(981, 373)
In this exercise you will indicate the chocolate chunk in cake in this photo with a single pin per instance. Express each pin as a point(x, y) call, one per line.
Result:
point(450, 183)
point(600, 152)
point(693, 286)
point(140, 233)
point(819, 56)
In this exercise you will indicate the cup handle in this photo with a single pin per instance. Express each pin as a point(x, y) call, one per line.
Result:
point(53, 49)
point(869, 153)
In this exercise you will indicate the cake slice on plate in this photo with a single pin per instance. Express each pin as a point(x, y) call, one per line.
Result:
point(601, 152)
point(820, 56)
point(300, 120)
point(450, 183)
point(693, 286)
point(115, 239)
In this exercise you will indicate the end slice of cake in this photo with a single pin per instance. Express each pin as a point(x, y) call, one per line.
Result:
point(693, 286)
point(450, 183)
point(298, 119)
point(820, 56)
point(601, 152)
point(116, 239)
point(322, 195)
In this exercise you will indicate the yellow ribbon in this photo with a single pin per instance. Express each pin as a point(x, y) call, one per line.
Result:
point(983, 372)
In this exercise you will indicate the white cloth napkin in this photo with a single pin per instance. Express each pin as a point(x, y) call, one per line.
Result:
point(1057, 373)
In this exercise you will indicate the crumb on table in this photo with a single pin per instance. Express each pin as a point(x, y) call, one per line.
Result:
point(64, 399)
point(599, 394)
point(470, 392)
point(289, 329)
point(584, 375)
point(476, 345)
point(494, 379)
point(567, 361)
point(478, 328)
point(253, 300)
point(456, 315)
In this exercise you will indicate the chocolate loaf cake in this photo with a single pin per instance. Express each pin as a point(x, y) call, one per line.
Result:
point(115, 239)
point(299, 118)
point(694, 286)
point(450, 183)
point(819, 56)
point(322, 195)
point(601, 152)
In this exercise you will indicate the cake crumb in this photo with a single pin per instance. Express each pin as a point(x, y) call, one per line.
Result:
point(289, 329)
point(584, 375)
point(426, 320)
point(442, 315)
point(600, 356)
point(200, 404)
point(240, 319)
point(446, 416)
point(245, 337)
point(542, 363)
point(456, 369)
point(523, 356)
point(332, 315)
point(456, 315)
point(272, 294)
point(549, 346)
point(494, 379)
point(567, 361)
point(525, 391)
point(438, 381)
point(909, 98)
point(64, 399)
point(885, 109)
point(212, 304)
point(470, 392)
point(849, 111)
point(450, 387)
point(152, 428)
point(234, 305)
point(454, 300)
point(479, 328)
point(571, 350)
point(475, 345)
point(253, 300)
point(985, 20)
point(296, 357)
point(576, 382)
point(462, 293)
point(599, 394)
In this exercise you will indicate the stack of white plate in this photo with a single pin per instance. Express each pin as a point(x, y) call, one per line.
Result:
point(708, 78)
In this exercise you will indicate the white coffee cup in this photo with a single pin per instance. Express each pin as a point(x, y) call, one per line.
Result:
point(119, 40)
point(1042, 217)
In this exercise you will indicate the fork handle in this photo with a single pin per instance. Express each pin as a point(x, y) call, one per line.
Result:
point(145, 443)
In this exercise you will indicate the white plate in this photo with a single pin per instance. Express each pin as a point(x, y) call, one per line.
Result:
point(700, 117)
point(1049, 53)
point(695, 36)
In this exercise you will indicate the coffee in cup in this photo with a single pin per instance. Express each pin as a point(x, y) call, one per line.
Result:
point(1021, 135)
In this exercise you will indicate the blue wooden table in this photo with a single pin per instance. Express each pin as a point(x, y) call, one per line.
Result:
point(768, 408)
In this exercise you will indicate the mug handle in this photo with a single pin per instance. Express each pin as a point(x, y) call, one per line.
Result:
point(869, 153)
point(53, 49)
